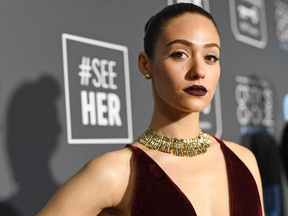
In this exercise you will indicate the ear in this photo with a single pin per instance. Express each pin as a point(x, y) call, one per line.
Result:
point(144, 64)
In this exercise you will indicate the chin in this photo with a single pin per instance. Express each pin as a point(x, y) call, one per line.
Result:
point(199, 107)
point(194, 109)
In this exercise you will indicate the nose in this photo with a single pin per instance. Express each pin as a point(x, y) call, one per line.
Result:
point(196, 70)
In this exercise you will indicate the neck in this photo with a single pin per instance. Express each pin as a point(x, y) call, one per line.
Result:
point(170, 123)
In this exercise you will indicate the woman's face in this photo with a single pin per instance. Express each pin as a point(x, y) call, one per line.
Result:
point(185, 67)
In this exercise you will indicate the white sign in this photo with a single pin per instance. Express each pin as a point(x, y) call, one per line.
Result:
point(248, 21)
point(97, 91)
point(254, 99)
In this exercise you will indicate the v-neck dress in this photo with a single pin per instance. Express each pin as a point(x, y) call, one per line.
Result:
point(155, 194)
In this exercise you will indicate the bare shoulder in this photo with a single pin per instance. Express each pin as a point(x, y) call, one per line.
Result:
point(100, 184)
point(243, 153)
point(110, 163)
point(110, 171)
point(248, 158)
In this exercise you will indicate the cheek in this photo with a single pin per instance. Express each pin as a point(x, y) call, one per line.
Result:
point(165, 81)
point(163, 75)
point(214, 77)
point(217, 76)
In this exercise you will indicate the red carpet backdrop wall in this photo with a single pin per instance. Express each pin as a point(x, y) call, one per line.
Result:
point(70, 90)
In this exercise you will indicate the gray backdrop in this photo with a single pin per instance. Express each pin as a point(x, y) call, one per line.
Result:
point(64, 61)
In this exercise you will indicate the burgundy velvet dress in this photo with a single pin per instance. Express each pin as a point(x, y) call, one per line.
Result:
point(155, 194)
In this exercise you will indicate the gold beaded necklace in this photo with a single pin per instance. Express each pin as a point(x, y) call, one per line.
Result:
point(177, 146)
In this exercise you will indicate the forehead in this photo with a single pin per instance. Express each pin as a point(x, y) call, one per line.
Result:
point(191, 27)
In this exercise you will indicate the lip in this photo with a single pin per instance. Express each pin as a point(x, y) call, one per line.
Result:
point(196, 90)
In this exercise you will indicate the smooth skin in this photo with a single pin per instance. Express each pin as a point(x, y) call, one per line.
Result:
point(187, 53)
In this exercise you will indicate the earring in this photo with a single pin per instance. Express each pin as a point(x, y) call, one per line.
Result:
point(147, 77)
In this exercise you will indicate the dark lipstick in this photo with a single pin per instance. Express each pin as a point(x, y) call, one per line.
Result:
point(196, 90)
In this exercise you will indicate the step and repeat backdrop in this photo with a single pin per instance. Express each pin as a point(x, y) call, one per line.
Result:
point(70, 90)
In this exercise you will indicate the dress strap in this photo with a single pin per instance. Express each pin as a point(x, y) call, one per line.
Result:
point(243, 191)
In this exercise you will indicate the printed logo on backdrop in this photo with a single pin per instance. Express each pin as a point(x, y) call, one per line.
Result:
point(248, 21)
point(201, 3)
point(254, 99)
point(97, 91)
point(281, 18)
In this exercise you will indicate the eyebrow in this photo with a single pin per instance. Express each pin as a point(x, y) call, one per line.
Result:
point(190, 44)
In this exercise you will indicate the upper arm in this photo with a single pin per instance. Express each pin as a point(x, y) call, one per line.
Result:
point(96, 186)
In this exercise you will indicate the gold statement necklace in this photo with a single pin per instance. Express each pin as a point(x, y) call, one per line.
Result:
point(176, 146)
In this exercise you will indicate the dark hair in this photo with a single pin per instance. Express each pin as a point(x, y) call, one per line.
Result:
point(156, 23)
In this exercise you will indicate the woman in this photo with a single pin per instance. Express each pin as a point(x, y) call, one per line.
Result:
point(165, 172)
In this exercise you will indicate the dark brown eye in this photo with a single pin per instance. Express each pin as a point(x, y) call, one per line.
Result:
point(179, 55)
point(212, 58)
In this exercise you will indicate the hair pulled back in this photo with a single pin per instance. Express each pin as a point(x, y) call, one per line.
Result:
point(156, 23)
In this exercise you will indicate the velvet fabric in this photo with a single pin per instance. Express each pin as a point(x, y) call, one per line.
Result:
point(155, 194)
